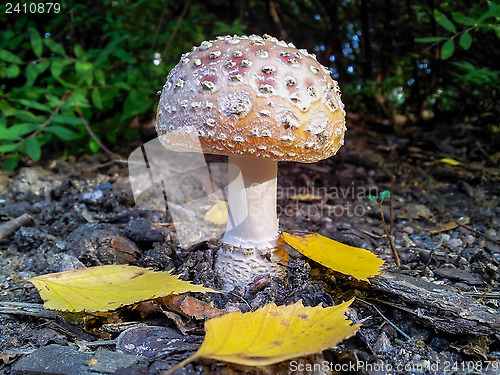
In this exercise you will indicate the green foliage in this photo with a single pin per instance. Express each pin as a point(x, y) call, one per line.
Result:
point(106, 62)
point(482, 21)
point(381, 196)
point(461, 31)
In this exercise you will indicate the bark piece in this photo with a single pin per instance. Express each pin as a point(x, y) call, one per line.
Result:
point(438, 306)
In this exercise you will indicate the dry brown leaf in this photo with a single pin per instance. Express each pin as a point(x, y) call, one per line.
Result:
point(191, 307)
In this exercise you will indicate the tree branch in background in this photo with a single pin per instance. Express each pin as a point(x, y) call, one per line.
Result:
point(91, 133)
point(176, 28)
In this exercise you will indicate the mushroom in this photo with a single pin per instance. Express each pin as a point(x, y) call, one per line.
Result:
point(259, 101)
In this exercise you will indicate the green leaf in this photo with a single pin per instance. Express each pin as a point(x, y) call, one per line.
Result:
point(15, 132)
point(430, 39)
point(444, 21)
point(93, 146)
point(10, 57)
point(57, 67)
point(372, 198)
point(385, 194)
point(33, 104)
point(96, 98)
point(465, 40)
point(447, 49)
point(24, 115)
point(12, 71)
point(135, 103)
point(33, 148)
point(123, 55)
point(496, 28)
point(79, 51)
point(83, 66)
point(494, 11)
point(11, 163)
point(10, 147)
point(14, 42)
point(36, 42)
point(99, 76)
point(59, 131)
point(55, 47)
point(67, 120)
point(31, 74)
point(42, 66)
point(461, 18)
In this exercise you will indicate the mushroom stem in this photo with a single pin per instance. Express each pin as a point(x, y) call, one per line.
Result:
point(252, 220)
point(250, 243)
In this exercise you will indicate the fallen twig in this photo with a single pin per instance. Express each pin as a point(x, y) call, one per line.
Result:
point(10, 227)
point(30, 309)
point(385, 318)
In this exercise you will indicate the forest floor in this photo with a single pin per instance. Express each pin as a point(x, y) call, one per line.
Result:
point(436, 314)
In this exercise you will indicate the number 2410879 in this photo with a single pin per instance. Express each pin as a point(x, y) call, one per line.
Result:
point(32, 8)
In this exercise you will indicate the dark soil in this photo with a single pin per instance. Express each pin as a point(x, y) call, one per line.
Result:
point(85, 215)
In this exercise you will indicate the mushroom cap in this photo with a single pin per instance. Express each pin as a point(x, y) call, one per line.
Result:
point(254, 96)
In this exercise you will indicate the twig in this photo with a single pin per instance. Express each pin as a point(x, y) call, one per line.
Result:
point(385, 318)
point(10, 227)
point(91, 133)
point(176, 29)
point(53, 113)
point(30, 309)
point(158, 28)
point(389, 236)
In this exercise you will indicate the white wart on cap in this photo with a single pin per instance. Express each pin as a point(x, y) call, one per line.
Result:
point(253, 96)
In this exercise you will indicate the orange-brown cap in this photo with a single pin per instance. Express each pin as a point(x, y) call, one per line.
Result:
point(253, 96)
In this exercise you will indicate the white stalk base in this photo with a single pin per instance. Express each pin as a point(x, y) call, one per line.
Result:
point(239, 267)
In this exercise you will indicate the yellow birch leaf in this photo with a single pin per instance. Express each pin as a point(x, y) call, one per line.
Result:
point(217, 214)
point(450, 161)
point(106, 288)
point(342, 258)
point(273, 334)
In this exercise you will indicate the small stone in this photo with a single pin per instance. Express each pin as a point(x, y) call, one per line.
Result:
point(439, 344)
point(106, 361)
point(454, 243)
point(469, 239)
point(259, 283)
point(383, 344)
point(155, 342)
point(445, 237)
point(54, 359)
point(143, 233)
point(98, 244)
point(408, 230)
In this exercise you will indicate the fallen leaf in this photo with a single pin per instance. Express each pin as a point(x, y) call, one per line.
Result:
point(450, 161)
point(273, 334)
point(106, 288)
point(342, 258)
point(306, 197)
point(8, 358)
point(443, 227)
point(217, 214)
point(191, 307)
